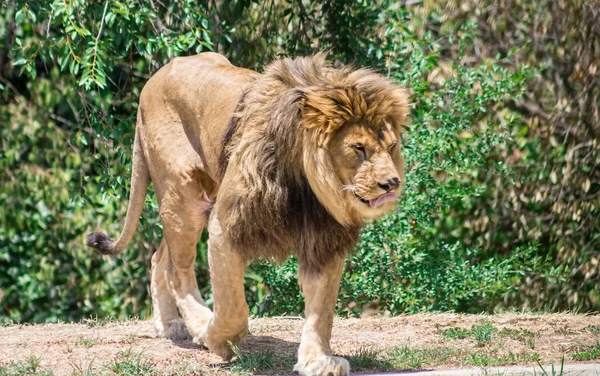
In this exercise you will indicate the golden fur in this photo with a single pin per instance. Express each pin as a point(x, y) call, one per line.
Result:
point(293, 161)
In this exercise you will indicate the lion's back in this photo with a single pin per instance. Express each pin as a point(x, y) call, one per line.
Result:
point(187, 104)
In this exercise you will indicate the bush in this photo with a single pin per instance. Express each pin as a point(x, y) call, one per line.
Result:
point(553, 198)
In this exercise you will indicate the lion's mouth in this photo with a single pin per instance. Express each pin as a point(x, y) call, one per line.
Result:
point(384, 198)
point(366, 202)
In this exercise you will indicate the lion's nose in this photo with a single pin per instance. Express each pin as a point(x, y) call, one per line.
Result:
point(390, 184)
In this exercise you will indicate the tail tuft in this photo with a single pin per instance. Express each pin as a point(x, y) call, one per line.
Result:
point(100, 242)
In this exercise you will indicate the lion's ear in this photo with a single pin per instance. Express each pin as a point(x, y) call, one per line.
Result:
point(326, 110)
point(398, 108)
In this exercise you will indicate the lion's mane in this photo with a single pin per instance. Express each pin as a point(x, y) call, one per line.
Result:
point(289, 198)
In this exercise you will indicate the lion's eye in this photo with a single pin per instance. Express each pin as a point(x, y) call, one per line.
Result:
point(392, 145)
point(359, 147)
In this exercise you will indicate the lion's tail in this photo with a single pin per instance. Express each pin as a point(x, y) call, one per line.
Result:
point(139, 185)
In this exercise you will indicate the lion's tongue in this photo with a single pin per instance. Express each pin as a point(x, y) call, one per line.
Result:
point(382, 199)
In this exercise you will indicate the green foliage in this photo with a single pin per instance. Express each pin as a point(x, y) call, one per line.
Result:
point(353, 31)
point(89, 39)
point(554, 198)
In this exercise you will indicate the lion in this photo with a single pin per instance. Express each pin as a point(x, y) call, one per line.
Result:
point(292, 161)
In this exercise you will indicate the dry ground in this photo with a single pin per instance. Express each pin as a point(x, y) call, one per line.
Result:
point(424, 341)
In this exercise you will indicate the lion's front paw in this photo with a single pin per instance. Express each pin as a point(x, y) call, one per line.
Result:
point(323, 366)
point(221, 343)
point(223, 347)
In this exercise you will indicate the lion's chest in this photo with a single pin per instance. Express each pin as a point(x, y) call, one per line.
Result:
point(295, 223)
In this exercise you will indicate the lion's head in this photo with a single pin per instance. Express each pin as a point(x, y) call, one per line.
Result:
point(366, 170)
point(352, 157)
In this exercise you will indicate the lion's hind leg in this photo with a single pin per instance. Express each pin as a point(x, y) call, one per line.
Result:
point(166, 319)
point(183, 214)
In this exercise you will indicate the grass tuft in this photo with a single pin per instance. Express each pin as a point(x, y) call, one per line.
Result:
point(29, 367)
point(456, 333)
point(553, 371)
point(594, 329)
point(524, 335)
point(588, 353)
point(483, 332)
point(252, 362)
point(368, 359)
point(85, 342)
point(130, 363)
point(89, 371)
point(405, 358)
point(485, 359)
point(94, 322)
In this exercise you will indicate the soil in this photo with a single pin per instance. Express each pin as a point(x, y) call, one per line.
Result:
point(67, 349)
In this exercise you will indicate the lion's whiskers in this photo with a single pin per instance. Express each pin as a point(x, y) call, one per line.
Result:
point(351, 188)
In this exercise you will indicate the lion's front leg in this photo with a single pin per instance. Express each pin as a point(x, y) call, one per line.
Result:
point(229, 323)
point(320, 292)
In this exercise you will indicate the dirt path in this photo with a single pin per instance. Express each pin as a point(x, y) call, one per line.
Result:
point(416, 342)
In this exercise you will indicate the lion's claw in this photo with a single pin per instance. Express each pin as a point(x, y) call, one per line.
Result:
point(323, 366)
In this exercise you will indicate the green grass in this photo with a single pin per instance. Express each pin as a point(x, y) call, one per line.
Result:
point(252, 362)
point(456, 333)
point(79, 371)
point(29, 367)
point(553, 371)
point(485, 332)
point(94, 322)
point(523, 335)
point(492, 359)
point(6, 322)
point(482, 332)
point(130, 363)
point(85, 341)
point(588, 353)
point(368, 359)
point(594, 329)
point(405, 358)
point(399, 358)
